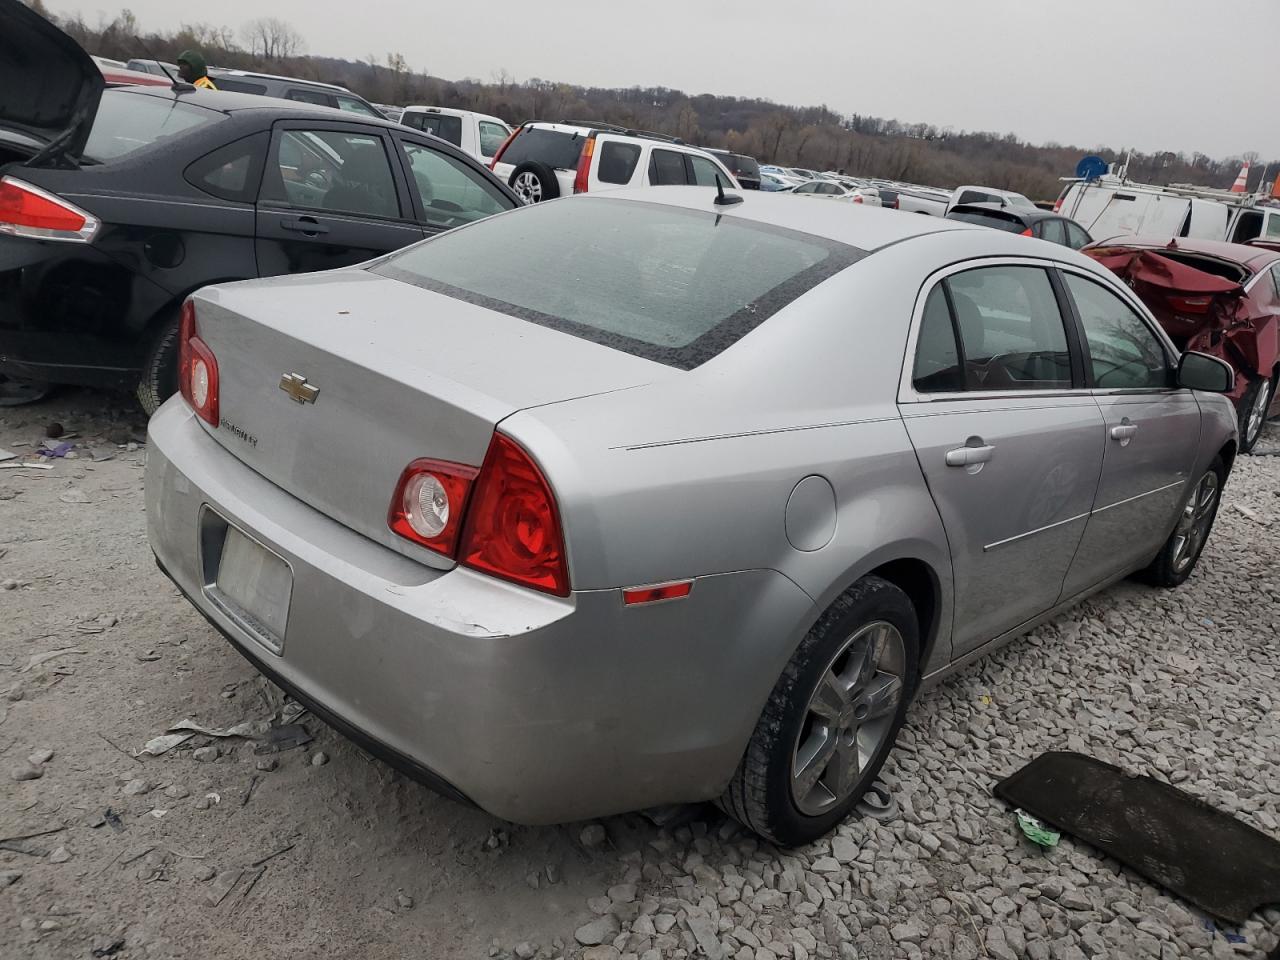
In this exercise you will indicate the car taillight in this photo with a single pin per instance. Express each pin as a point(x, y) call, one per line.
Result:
point(1196, 305)
point(28, 211)
point(503, 149)
point(1026, 233)
point(501, 519)
point(197, 368)
point(1057, 207)
point(430, 504)
point(582, 178)
point(857, 199)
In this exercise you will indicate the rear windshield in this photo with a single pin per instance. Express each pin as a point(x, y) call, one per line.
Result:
point(441, 125)
point(552, 147)
point(660, 282)
point(127, 122)
point(986, 219)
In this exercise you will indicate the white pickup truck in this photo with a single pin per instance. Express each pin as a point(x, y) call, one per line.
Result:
point(938, 203)
point(475, 133)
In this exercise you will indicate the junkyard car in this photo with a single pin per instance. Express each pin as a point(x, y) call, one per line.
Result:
point(647, 497)
point(1218, 298)
point(115, 204)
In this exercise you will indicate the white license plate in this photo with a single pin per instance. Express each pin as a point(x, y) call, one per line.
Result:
point(256, 584)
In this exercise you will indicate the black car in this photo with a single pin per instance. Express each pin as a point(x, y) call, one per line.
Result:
point(117, 203)
point(1031, 223)
point(745, 169)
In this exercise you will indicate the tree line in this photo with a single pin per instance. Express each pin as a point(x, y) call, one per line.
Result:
point(818, 138)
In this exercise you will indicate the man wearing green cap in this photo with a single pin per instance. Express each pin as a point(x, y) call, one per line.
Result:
point(191, 68)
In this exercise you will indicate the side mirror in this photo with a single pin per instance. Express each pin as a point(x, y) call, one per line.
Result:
point(1199, 371)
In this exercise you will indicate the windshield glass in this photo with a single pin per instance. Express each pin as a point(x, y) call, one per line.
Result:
point(661, 282)
point(127, 121)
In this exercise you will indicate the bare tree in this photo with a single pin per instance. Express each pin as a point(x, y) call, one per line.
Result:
point(272, 38)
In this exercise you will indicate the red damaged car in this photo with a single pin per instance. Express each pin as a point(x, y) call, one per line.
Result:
point(1218, 298)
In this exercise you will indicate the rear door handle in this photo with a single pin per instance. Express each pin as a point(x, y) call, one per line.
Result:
point(968, 456)
point(1124, 431)
point(308, 225)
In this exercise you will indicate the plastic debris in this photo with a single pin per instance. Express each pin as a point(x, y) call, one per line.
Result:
point(36, 659)
point(6, 455)
point(164, 743)
point(878, 803)
point(20, 465)
point(286, 737)
point(52, 448)
point(1036, 831)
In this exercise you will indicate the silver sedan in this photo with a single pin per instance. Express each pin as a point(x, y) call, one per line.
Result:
point(626, 500)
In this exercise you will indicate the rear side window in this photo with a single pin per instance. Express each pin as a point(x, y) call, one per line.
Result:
point(1077, 236)
point(331, 170)
point(618, 161)
point(310, 96)
point(555, 148)
point(668, 284)
point(1053, 231)
point(437, 124)
point(492, 136)
point(937, 368)
point(231, 172)
point(1011, 329)
point(127, 122)
point(240, 86)
point(666, 168)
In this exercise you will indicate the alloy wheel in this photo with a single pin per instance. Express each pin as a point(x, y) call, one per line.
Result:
point(1193, 525)
point(849, 717)
point(1258, 413)
point(528, 187)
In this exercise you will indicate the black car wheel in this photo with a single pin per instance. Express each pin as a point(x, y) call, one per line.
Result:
point(159, 378)
point(534, 182)
point(1181, 552)
point(832, 717)
point(1252, 411)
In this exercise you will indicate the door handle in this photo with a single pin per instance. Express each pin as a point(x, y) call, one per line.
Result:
point(969, 456)
point(1124, 431)
point(308, 225)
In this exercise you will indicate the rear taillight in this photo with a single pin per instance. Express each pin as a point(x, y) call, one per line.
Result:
point(431, 502)
point(582, 178)
point(503, 149)
point(858, 199)
point(1196, 305)
point(1026, 233)
point(1057, 207)
point(197, 368)
point(28, 211)
point(501, 519)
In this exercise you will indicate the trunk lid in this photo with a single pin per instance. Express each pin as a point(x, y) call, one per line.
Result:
point(49, 86)
point(401, 373)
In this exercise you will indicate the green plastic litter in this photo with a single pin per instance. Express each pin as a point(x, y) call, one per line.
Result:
point(1036, 831)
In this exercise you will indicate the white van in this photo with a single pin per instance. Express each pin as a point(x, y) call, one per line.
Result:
point(1113, 207)
point(475, 133)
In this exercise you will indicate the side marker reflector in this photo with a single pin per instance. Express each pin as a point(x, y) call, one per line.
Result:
point(653, 594)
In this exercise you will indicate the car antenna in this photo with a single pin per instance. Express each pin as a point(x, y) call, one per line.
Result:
point(176, 85)
point(724, 199)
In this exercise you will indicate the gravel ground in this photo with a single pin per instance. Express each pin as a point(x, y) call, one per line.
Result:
point(215, 850)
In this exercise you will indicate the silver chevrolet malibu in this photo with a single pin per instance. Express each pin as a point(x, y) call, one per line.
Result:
point(619, 501)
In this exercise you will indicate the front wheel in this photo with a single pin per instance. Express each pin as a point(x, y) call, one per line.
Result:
point(1180, 553)
point(832, 717)
point(1253, 412)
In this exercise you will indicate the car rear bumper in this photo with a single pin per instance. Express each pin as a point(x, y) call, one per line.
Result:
point(538, 709)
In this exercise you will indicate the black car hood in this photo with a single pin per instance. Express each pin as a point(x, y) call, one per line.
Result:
point(49, 86)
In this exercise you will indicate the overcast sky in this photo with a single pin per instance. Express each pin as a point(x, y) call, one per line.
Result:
point(1151, 74)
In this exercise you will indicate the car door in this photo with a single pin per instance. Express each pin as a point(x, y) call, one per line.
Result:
point(1151, 433)
point(447, 191)
point(1008, 437)
point(330, 197)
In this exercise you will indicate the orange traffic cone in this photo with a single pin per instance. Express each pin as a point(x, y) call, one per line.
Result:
point(1242, 181)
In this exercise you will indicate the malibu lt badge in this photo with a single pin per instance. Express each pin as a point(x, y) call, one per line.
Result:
point(296, 386)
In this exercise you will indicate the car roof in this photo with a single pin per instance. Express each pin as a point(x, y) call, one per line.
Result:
point(216, 72)
point(1254, 258)
point(868, 228)
point(225, 101)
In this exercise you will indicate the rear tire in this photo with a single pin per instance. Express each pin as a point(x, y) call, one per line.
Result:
point(159, 378)
point(1252, 412)
point(534, 182)
point(1178, 557)
point(843, 696)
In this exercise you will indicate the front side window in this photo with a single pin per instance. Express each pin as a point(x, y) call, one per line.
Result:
point(705, 172)
point(618, 161)
point(331, 170)
point(937, 366)
point(492, 136)
point(666, 168)
point(809, 187)
point(1011, 329)
point(1273, 226)
point(452, 193)
point(1248, 227)
point(1077, 236)
point(1053, 231)
point(1123, 352)
point(438, 125)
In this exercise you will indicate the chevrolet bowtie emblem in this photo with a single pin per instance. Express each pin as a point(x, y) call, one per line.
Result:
point(296, 386)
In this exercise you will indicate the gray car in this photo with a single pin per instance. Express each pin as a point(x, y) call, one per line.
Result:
point(641, 498)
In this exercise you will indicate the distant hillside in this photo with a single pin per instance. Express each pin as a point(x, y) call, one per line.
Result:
point(813, 137)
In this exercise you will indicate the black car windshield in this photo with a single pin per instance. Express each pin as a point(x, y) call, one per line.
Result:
point(665, 283)
point(555, 148)
point(128, 121)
